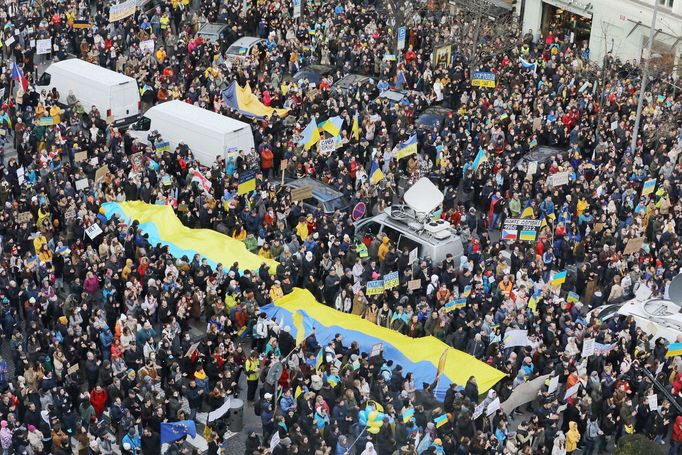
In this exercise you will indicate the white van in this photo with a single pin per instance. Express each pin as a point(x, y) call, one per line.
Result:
point(410, 226)
point(206, 133)
point(115, 95)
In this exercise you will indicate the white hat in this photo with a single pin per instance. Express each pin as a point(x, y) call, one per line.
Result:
point(267, 396)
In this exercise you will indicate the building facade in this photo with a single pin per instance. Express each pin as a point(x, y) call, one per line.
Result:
point(617, 26)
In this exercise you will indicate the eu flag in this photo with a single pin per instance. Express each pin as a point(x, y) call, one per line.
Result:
point(172, 431)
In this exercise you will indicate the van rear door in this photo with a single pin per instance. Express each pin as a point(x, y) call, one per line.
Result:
point(124, 100)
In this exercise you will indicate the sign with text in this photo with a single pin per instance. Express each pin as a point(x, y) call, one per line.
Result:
point(328, 145)
point(483, 79)
point(43, 46)
point(93, 231)
point(375, 287)
point(122, 10)
point(304, 192)
point(559, 179)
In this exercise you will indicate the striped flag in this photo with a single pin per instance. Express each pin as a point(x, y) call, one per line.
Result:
point(203, 182)
point(408, 415)
point(441, 420)
point(674, 349)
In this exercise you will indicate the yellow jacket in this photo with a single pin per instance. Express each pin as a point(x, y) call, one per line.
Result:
point(383, 248)
point(572, 437)
point(302, 230)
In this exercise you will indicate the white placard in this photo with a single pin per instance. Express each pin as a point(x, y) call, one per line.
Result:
point(588, 347)
point(493, 406)
point(414, 255)
point(43, 46)
point(9, 41)
point(559, 179)
point(515, 337)
point(479, 410)
point(376, 349)
point(147, 46)
point(93, 231)
point(327, 145)
point(553, 384)
point(297, 9)
point(532, 167)
point(653, 402)
point(218, 413)
point(275, 440)
point(81, 184)
point(572, 391)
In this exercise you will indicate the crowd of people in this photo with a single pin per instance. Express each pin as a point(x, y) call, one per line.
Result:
point(100, 330)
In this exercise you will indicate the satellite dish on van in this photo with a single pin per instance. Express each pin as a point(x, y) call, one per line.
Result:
point(675, 289)
point(423, 197)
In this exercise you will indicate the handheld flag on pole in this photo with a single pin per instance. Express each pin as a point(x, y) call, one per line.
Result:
point(481, 157)
point(319, 359)
point(172, 431)
point(375, 174)
point(441, 420)
point(18, 75)
point(674, 349)
point(441, 364)
point(407, 148)
point(355, 130)
point(559, 278)
point(311, 135)
point(332, 125)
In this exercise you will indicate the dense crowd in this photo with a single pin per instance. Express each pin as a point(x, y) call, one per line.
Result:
point(100, 330)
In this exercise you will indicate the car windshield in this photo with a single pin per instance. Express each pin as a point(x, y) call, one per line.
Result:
point(237, 50)
point(336, 204)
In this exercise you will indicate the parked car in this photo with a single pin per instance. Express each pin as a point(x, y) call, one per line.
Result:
point(211, 31)
point(542, 154)
point(324, 197)
point(432, 117)
point(313, 73)
point(351, 82)
point(393, 96)
point(242, 48)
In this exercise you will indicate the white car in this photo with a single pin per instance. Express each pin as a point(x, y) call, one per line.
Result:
point(656, 317)
point(241, 48)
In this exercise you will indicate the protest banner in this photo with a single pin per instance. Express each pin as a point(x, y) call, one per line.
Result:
point(24, 217)
point(588, 347)
point(515, 337)
point(247, 182)
point(82, 184)
point(524, 393)
point(558, 179)
point(101, 173)
point(122, 10)
point(147, 46)
point(413, 285)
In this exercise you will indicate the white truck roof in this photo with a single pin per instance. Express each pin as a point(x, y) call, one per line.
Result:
point(91, 71)
point(196, 115)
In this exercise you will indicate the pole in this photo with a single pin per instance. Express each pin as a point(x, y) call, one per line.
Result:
point(645, 77)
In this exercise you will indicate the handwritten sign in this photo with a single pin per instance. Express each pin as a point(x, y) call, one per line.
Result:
point(413, 285)
point(93, 231)
point(101, 173)
point(80, 156)
point(81, 184)
point(327, 145)
point(24, 217)
point(304, 192)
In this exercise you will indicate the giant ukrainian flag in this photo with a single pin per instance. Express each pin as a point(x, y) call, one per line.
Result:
point(300, 310)
point(418, 355)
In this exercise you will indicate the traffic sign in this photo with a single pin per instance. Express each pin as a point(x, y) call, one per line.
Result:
point(359, 211)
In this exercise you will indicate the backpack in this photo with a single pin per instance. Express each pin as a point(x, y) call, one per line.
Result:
point(257, 408)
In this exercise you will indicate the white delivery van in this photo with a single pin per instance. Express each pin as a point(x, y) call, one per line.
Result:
point(206, 133)
point(115, 95)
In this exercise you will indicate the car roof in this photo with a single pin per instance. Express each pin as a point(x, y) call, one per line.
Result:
point(541, 154)
point(351, 79)
point(383, 218)
point(321, 191)
point(246, 41)
point(437, 111)
point(212, 28)
point(319, 69)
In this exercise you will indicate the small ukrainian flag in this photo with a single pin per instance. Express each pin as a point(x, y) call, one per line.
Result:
point(407, 415)
point(674, 349)
point(441, 420)
point(559, 278)
point(319, 359)
point(375, 174)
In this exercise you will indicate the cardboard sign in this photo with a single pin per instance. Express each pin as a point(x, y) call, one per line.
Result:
point(493, 406)
point(101, 173)
point(73, 369)
point(80, 156)
point(633, 245)
point(93, 231)
point(283, 165)
point(304, 192)
point(413, 285)
point(43, 46)
point(81, 184)
point(24, 217)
